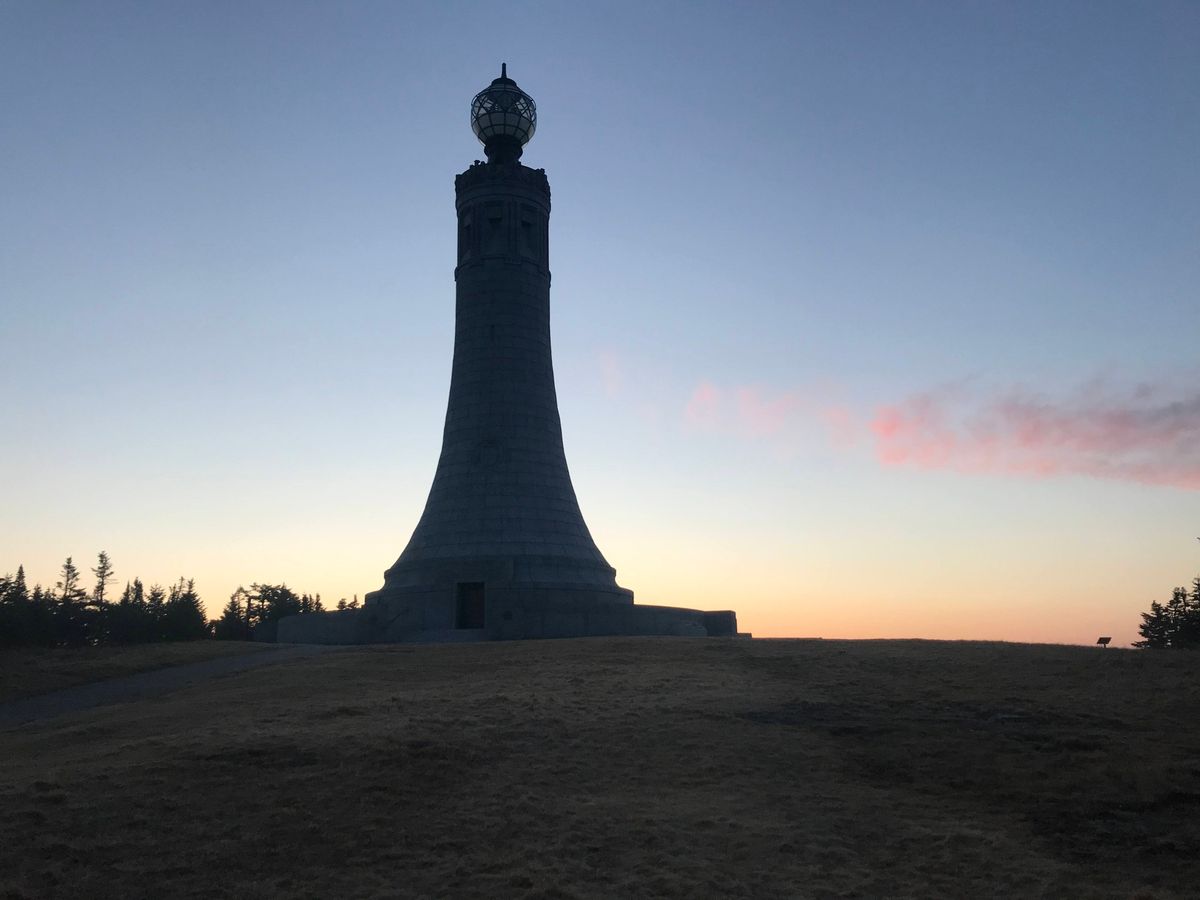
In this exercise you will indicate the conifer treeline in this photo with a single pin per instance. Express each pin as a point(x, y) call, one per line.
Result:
point(68, 615)
point(260, 608)
point(1175, 623)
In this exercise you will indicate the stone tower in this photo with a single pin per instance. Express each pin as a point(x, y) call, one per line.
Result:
point(501, 549)
point(501, 517)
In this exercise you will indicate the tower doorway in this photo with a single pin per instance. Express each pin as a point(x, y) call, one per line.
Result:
point(470, 605)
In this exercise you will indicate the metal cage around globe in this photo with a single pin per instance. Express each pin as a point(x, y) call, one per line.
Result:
point(502, 112)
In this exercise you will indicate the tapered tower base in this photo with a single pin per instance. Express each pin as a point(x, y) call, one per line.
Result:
point(509, 614)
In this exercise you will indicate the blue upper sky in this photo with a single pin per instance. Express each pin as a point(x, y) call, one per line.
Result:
point(853, 304)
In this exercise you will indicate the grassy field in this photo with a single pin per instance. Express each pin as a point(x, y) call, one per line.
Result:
point(24, 673)
point(626, 768)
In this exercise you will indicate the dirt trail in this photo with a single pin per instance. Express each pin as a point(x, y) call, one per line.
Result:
point(144, 684)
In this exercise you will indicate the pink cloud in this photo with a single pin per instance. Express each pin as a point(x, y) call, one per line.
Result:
point(754, 412)
point(760, 416)
point(703, 408)
point(842, 427)
point(1147, 434)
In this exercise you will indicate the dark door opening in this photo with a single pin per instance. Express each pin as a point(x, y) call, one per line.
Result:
point(470, 605)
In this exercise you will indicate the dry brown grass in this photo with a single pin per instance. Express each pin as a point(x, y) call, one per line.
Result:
point(24, 673)
point(626, 768)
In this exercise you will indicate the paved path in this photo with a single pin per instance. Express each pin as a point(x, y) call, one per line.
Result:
point(145, 684)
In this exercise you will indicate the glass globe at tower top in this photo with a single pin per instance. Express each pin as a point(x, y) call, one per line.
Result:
point(504, 118)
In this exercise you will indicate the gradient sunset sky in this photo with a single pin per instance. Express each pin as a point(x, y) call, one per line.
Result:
point(869, 319)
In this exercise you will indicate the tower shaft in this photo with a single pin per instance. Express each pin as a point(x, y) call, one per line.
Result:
point(502, 511)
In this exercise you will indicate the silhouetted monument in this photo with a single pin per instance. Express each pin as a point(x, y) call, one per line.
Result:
point(501, 549)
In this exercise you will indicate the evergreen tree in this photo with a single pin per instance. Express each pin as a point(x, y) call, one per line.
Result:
point(183, 615)
point(69, 585)
point(144, 616)
point(1188, 632)
point(232, 626)
point(17, 591)
point(274, 601)
point(69, 610)
point(104, 575)
point(26, 619)
point(155, 612)
point(1175, 624)
point(10, 613)
point(42, 625)
point(1155, 628)
point(129, 618)
point(245, 601)
point(120, 620)
point(310, 603)
point(96, 614)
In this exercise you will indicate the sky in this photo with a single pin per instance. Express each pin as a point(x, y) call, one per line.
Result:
point(870, 319)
